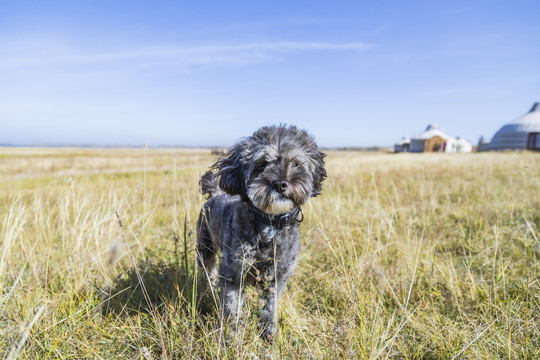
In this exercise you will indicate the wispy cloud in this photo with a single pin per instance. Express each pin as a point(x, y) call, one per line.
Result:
point(186, 55)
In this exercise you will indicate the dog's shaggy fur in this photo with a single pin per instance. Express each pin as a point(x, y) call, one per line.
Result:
point(252, 215)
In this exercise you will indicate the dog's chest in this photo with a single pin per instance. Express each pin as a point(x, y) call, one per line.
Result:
point(272, 245)
point(266, 247)
point(267, 234)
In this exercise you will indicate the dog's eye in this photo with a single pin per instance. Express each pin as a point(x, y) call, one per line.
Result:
point(261, 167)
point(295, 163)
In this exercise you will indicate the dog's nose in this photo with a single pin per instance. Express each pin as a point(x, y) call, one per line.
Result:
point(280, 185)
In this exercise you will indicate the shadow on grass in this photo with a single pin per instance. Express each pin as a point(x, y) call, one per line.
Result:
point(155, 286)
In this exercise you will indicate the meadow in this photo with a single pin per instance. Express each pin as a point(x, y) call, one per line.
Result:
point(403, 256)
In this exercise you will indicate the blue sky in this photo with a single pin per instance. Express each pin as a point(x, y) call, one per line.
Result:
point(354, 73)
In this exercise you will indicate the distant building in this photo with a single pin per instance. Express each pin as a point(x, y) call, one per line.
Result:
point(534, 141)
point(520, 134)
point(463, 145)
point(483, 144)
point(434, 139)
point(402, 145)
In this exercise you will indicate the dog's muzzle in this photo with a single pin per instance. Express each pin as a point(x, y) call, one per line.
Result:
point(280, 186)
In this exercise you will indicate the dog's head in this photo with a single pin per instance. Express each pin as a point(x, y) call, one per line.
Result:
point(278, 168)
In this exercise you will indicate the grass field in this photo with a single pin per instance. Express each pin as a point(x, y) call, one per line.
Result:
point(403, 256)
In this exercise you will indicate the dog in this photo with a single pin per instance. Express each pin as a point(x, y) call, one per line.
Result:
point(255, 195)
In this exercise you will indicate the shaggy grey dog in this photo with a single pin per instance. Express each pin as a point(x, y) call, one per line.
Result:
point(252, 215)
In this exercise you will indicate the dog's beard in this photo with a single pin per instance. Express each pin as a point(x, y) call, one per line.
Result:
point(268, 200)
point(279, 205)
point(272, 202)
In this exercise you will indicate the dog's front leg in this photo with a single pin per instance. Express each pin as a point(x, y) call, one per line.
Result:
point(269, 308)
point(232, 298)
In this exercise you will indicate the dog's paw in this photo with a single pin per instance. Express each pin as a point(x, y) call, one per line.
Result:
point(270, 333)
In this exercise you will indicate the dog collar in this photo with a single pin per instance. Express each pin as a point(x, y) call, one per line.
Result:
point(278, 221)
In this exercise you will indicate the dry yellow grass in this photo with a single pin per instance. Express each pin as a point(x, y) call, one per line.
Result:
point(404, 256)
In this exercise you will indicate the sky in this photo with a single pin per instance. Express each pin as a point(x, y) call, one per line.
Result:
point(205, 73)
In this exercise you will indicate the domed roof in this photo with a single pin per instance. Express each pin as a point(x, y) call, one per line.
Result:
point(514, 135)
point(404, 140)
point(461, 140)
point(431, 131)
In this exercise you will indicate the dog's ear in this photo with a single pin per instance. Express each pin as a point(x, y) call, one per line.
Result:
point(320, 172)
point(231, 169)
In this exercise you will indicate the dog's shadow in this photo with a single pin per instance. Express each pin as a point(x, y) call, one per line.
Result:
point(152, 285)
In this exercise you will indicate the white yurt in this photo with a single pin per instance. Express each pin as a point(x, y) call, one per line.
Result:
point(433, 139)
point(402, 145)
point(463, 145)
point(520, 134)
